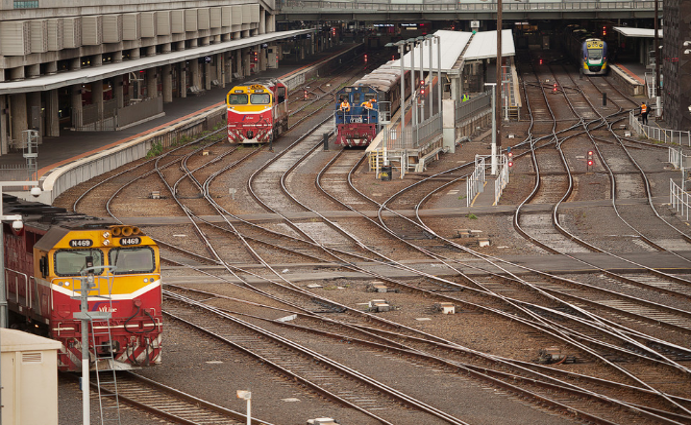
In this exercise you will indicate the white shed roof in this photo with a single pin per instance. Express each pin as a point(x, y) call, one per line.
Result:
point(452, 45)
point(484, 45)
point(638, 32)
point(16, 340)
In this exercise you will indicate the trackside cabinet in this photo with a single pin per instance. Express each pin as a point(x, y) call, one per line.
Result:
point(29, 378)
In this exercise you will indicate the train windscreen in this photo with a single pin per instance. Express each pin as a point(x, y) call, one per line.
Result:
point(237, 99)
point(260, 99)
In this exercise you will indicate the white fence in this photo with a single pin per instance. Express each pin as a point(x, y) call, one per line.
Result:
point(667, 136)
point(476, 182)
point(502, 179)
point(678, 159)
point(679, 199)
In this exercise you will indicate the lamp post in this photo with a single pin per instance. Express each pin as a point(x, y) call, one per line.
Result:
point(401, 52)
point(497, 93)
point(494, 129)
point(421, 43)
point(412, 42)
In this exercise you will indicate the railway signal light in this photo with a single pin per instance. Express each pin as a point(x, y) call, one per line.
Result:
point(365, 58)
point(510, 164)
point(540, 61)
point(590, 161)
point(554, 88)
point(333, 31)
point(604, 31)
point(422, 90)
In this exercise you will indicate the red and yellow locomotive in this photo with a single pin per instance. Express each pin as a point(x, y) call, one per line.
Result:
point(257, 112)
point(47, 264)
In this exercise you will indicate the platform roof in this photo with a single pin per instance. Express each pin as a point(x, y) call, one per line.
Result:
point(638, 32)
point(452, 45)
point(482, 45)
point(96, 73)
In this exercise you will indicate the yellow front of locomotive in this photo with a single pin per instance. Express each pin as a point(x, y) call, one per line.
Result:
point(250, 114)
point(118, 269)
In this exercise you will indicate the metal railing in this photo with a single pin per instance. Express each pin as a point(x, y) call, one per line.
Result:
point(502, 179)
point(679, 199)
point(385, 6)
point(472, 107)
point(428, 130)
point(663, 135)
point(678, 159)
point(476, 182)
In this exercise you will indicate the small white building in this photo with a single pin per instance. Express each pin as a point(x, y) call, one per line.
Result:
point(29, 375)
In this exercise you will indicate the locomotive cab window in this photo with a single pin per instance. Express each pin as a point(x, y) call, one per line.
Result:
point(70, 262)
point(260, 99)
point(281, 94)
point(132, 260)
point(237, 99)
point(595, 54)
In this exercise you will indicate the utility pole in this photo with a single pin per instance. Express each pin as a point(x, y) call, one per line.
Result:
point(498, 90)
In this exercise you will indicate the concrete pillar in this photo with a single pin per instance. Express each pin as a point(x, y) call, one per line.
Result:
point(52, 128)
point(51, 67)
point(75, 64)
point(4, 128)
point(228, 68)
point(97, 97)
point(117, 56)
point(17, 73)
point(33, 71)
point(152, 82)
point(77, 105)
point(98, 60)
point(167, 72)
point(183, 79)
point(220, 69)
point(196, 75)
point(34, 113)
point(119, 91)
point(19, 117)
point(262, 58)
point(238, 62)
point(246, 58)
point(262, 21)
point(134, 53)
point(207, 75)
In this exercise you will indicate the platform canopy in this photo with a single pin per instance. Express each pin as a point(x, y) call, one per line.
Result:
point(482, 45)
point(96, 73)
point(638, 32)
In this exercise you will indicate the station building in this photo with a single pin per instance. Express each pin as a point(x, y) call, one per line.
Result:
point(107, 65)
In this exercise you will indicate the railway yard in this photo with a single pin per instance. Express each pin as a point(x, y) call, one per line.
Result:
point(297, 275)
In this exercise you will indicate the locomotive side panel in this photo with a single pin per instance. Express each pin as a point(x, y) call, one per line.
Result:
point(45, 261)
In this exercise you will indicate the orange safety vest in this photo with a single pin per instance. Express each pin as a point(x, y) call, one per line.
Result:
point(644, 109)
point(345, 106)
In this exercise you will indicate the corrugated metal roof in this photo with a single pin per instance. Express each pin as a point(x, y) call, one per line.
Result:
point(484, 45)
point(638, 32)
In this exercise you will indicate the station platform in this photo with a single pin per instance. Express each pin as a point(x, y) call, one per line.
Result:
point(631, 75)
point(72, 145)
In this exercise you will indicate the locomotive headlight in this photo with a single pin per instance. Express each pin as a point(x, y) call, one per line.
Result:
point(106, 235)
point(106, 242)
